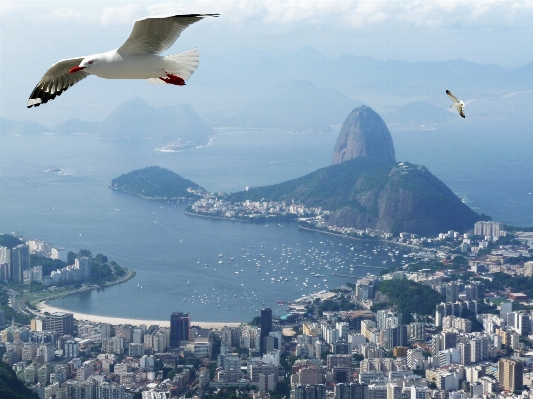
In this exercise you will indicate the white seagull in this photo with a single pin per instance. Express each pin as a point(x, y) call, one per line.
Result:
point(459, 104)
point(137, 58)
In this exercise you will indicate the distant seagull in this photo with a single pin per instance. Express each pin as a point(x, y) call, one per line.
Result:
point(459, 104)
point(137, 58)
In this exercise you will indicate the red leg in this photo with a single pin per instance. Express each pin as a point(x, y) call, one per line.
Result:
point(173, 80)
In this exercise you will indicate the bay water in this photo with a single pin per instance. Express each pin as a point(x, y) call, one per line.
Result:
point(215, 269)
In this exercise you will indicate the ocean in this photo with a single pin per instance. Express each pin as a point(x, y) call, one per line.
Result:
point(215, 269)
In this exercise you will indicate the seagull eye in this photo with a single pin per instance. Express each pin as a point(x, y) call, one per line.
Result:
point(90, 62)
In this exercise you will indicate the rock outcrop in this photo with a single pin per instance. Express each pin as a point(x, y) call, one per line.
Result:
point(364, 133)
point(366, 188)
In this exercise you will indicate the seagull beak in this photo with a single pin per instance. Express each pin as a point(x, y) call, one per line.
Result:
point(76, 69)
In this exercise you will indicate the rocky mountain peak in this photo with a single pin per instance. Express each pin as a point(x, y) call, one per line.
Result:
point(364, 133)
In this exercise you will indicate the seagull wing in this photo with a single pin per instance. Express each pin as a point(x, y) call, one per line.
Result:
point(461, 111)
point(55, 81)
point(454, 99)
point(153, 35)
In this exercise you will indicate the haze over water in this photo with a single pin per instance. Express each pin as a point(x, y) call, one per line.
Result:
point(175, 255)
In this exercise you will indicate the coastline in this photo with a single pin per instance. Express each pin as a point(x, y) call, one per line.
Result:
point(362, 239)
point(306, 228)
point(44, 307)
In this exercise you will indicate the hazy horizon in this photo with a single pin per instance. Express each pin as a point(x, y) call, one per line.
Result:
point(35, 35)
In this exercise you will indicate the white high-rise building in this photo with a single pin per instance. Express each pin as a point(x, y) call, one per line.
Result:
point(505, 309)
point(488, 229)
point(72, 348)
point(83, 264)
point(59, 254)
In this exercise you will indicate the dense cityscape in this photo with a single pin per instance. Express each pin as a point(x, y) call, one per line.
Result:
point(462, 331)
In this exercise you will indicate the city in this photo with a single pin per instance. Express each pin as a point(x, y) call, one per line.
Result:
point(349, 342)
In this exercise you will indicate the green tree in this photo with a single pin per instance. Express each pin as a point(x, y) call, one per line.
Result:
point(101, 258)
point(459, 261)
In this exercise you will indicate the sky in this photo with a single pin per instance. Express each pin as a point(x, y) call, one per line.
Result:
point(34, 35)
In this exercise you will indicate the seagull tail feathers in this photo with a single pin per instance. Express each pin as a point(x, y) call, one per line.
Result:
point(186, 63)
point(182, 65)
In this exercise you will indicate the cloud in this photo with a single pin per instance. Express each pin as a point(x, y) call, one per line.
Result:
point(122, 15)
point(282, 17)
point(68, 15)
point(11, 7)
point(363, 14)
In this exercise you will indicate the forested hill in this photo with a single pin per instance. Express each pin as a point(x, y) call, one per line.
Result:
point(366, 192)
point(11, 387)
point(9, 241)
point(156, 183)
point(408, 297)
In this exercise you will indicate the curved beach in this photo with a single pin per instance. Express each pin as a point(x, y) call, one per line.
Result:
point(43, 307)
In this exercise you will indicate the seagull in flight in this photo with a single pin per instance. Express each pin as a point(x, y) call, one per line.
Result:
point(137, 58)
point(459, 104)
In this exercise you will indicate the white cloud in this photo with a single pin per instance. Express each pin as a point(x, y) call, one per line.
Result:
point(121, 15)
point(11, 7)
point(362, 14)
point(68, 15)
point(284, 15)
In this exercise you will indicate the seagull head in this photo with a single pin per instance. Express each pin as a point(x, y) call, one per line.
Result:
point(86, 63)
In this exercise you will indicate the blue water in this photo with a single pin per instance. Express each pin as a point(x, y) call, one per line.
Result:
point(175, 255)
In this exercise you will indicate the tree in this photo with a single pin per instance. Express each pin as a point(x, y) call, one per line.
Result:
point(459, 261)
point(85, 252)
point(101, 258)
point(283, 388)
point(71, 257)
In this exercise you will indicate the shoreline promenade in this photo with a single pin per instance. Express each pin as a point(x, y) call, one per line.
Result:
point(43, 307)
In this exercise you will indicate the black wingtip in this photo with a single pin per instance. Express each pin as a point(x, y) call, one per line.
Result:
point(195, 15)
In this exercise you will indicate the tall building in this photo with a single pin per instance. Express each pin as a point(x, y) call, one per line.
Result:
point(309, 392)
point(351, 391)
point(419, 392)
point(528, 269)
point(266, 327)
point(472, 292)
point(63, 323)
point(510, 374)
point(2, 319)
point(395, 336)
point(83, 264)
point(505, 309)
point(484, 228)
point(180, 324)
point(452, 291)
point(20, 261)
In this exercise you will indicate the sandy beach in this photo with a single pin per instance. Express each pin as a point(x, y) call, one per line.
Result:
point(43, 307)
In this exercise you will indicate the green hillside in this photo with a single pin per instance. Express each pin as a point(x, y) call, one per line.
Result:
point(368, 193)
point(11, 387)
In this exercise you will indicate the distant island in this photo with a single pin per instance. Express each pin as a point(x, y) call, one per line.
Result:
point(158, 183)
point(171, 128)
